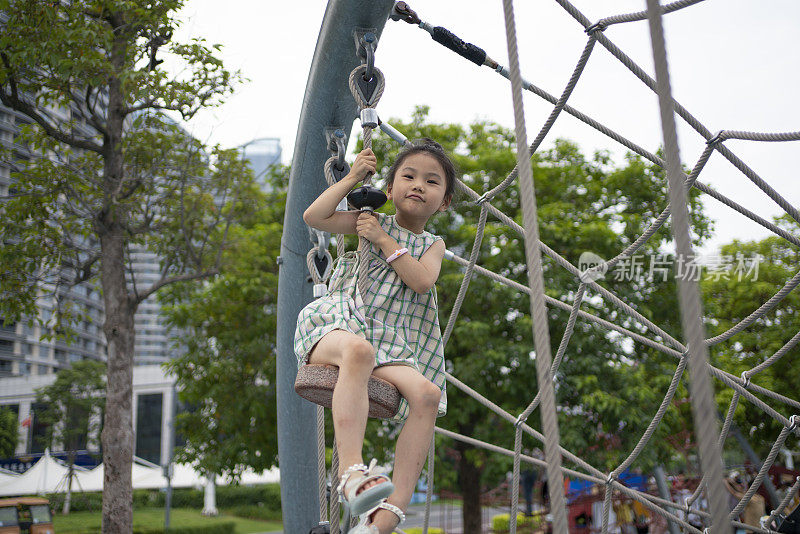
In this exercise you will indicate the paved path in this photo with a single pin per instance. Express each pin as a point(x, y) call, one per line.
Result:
point(444, 516)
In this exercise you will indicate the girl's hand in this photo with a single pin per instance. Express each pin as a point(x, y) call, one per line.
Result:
point(367, 226)
point(366, 163)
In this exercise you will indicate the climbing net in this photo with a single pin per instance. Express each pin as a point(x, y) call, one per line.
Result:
point(693, 353)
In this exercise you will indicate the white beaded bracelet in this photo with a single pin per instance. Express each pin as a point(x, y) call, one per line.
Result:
point(397, 253)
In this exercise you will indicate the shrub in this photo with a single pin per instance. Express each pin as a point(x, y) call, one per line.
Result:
point(252, 511)
point(266, 495)
point(525, 524)
point(418, 530)
point(216, 528)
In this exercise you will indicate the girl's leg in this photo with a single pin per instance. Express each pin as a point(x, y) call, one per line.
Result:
point(355, 358)
point(414, 439)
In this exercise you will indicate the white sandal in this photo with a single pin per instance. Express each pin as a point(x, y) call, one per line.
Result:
point(363, 528)
point(355, 503)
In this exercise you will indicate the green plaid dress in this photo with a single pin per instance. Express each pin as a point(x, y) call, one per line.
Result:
point(401, 324)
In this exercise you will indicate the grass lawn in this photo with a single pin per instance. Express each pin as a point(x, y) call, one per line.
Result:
point(86, 522)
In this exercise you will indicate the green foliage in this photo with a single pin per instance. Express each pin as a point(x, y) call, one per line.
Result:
point(502, 523)
point(76, 394)
point(730, 296)
point(418, 530)
point(115, 161)
point(265, 497)
point(226, 373)
point(9, 432)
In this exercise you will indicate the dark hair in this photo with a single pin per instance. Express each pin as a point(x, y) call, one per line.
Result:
point(434, 149)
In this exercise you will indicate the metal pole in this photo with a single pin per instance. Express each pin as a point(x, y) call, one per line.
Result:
point(327, 102)
point(170, 454)
point(663, 490)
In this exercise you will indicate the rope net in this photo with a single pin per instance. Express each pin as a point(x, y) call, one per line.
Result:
point(691, 354)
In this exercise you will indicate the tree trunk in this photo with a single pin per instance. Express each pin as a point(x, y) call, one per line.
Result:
point(117, 436)
point(70, 474)
point(469, 480)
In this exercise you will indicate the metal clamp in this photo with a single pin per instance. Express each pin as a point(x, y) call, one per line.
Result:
point(520, 421)
point(401, 11)
point(369, 118)
point(718, 138)
point(610, 479)
point(745, 379)
point(483, 198)
point(596, 27)
point(794, 422)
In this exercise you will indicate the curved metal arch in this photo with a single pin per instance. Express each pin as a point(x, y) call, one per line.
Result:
point(327, 103)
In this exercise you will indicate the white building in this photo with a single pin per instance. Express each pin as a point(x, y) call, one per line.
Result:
point(152, 407)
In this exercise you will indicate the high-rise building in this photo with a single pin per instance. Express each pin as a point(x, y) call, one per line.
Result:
point(23, 350)
point(262, 154)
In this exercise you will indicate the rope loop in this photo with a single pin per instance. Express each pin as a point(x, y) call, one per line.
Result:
point(367, 93)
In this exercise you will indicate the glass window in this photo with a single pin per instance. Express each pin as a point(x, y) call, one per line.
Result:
point(148, 426)
point(38, 441)
point(40, 513)
point(8, 516)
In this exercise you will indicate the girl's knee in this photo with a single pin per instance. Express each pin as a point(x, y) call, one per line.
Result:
point(426, 397)
point(358, 352)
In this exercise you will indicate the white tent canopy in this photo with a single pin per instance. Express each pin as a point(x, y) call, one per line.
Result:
point(44, 477)
point(49, 476)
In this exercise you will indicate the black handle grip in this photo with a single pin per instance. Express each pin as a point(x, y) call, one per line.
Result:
point(469, 51)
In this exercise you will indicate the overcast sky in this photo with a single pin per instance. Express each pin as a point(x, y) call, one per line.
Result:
point(734, 65)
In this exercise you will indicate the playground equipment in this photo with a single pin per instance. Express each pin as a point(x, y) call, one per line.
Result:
point(346, 23)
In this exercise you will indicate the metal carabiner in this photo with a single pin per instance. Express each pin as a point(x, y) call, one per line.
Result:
point(368, 41)
point(323, 242)
point(338, 138)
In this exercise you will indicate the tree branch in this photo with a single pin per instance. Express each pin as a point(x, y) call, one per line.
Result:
point(172, 279)
point(13, 101)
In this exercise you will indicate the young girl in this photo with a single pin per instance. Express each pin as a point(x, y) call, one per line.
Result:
point(392, 331)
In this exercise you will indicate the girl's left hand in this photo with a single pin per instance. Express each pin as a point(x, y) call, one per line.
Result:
point(367, 226)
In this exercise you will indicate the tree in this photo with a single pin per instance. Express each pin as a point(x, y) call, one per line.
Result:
point(109, 173)
point(585, 205)
point(227, 368)
point(9, 432)
point(74, 404)
point(751, 272)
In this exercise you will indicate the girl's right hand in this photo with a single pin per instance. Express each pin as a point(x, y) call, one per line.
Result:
point(366, 163)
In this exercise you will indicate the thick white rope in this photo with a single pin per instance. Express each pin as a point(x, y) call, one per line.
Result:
point(702, 397)
point(541, 336)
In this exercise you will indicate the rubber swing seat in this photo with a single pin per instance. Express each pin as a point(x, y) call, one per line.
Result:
point(315, 383)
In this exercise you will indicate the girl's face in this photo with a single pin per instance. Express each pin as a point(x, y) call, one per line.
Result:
point(419, 187)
